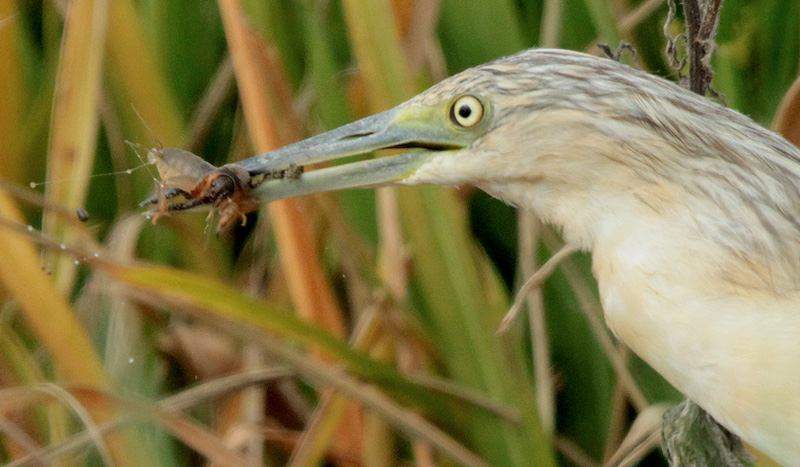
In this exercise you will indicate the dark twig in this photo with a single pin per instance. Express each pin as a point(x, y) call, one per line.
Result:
point(702, 20)
point(690, 436)
point(616, 55)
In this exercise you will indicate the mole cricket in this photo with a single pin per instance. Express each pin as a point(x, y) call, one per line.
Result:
point(188, 182)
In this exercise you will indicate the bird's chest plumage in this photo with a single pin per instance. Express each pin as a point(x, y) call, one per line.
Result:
point(649, 313)
point(645, 309)
point(735, 355)
point(680, 289)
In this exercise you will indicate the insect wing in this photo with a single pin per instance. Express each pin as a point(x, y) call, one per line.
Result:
point(179, 168)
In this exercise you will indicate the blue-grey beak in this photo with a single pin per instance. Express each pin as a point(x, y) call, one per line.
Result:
point(425, 131)
point(396, 128)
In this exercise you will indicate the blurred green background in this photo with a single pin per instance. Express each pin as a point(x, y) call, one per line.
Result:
point(377, 311)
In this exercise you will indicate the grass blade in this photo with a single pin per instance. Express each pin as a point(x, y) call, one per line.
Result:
point(133, 67)
point(51, 319)
point(12, 99)
point(74, 120)
point(213, 300)
point(448, 272)
point(254, 61)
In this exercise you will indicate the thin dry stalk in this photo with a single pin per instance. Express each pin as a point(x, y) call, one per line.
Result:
point(33, 198)
point(181, 401)
point(221, 88)
point(618, 421)
point(420, 41)
point(534, 281)
point(466, 394)
point(594, 313)
point(637, 15)
point(252, 401)
point(627, 23)
point(81, 411)
point(6, 19)
point(17, 438)
point(528, 227)
point(393, 254)
point(313, 443)
point(321, 374)
point(642, 438)
point(573, 452)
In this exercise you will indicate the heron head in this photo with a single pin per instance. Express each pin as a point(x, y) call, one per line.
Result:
point(566, 134)
point(504, 123)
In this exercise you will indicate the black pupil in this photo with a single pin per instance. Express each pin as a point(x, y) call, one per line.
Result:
point(464, 111)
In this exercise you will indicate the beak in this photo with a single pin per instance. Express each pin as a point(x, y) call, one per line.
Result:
point(401, 127)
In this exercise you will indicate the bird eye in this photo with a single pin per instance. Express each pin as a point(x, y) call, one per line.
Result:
point(467, 111)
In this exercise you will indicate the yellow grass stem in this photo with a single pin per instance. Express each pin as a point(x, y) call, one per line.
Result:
point(133, 66)
point(376, 45)
point(74, 118)
point(49, 316)
point(448, 271)
point(374, 36)
point(12, 99)
point(21, 367)
point(255, 62)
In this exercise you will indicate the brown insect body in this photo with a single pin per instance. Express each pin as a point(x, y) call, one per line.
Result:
point(227, 188)
point(180, 171)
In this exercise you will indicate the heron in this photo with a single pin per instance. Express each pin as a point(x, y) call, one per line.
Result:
point(690, 210)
